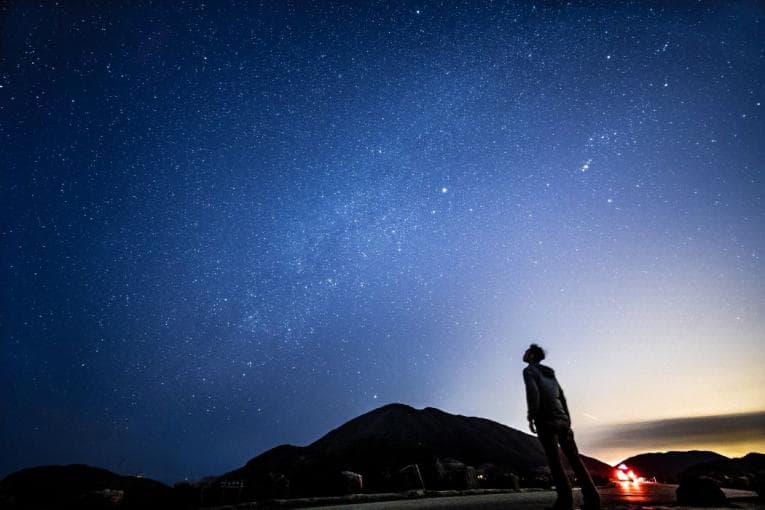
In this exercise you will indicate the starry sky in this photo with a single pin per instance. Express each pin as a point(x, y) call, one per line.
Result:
point(227, 226)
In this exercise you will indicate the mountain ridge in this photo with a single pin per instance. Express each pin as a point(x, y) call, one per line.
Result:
point(391, 448)
point(446, 451)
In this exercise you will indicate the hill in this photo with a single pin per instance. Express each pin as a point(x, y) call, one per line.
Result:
point(81, 486)
point(397, 447)
point(668, 466)
point(379, 433)
point(747, 472)
point(393, 448)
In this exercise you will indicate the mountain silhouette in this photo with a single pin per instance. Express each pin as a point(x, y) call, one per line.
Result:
point(393, 448)
point(398, 426)
point(81, 486)
point(747, 472)
point(378, 444)
point(668, 466)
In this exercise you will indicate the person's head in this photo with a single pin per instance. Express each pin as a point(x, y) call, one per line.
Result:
point(534, 354)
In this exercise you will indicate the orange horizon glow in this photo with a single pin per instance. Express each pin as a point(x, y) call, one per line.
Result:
point(615, 456)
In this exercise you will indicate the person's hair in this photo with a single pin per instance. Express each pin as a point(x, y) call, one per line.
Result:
point(537, 352)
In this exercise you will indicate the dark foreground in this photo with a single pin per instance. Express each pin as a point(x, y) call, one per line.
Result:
point(616, 498)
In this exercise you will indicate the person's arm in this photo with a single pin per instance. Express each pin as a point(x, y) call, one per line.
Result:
point(532, 398)
point(565, 404)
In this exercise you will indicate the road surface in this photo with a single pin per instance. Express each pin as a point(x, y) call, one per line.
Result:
point(616, 498)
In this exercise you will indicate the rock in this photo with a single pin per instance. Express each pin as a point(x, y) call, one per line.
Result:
point(354, 482)
point(700, 491)
point(512, 481)
point(741, 482)
point(459, 475)
point(409, 478)
point(491, 476)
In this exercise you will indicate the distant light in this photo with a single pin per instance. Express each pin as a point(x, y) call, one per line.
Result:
point(444, 190)
point(625, 474)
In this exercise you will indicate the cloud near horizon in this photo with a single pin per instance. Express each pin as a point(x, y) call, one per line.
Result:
point(724, 429)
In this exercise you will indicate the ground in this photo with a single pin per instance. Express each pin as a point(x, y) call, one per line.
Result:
point(653, 496)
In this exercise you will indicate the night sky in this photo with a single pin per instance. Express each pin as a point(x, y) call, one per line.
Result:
point(227, 227)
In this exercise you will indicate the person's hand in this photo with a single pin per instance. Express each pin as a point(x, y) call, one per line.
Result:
point(532, 427)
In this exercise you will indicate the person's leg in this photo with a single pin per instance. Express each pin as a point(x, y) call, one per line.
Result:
point(549, 440)
point(589, 492)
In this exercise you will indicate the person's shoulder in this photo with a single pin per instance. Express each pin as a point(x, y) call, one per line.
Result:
point(529, 370)
point(546, 371)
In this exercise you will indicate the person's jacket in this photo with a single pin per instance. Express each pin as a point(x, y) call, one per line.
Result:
point(544, 396)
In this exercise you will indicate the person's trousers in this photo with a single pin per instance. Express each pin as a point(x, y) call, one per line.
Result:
point(551, 437)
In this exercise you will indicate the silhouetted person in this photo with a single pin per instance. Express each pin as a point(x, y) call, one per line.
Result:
point(550, 420)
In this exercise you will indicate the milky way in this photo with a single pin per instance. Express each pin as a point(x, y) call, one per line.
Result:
point(226, 227)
